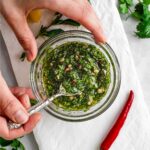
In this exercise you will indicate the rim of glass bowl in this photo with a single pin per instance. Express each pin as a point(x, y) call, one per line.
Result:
point(115, 66)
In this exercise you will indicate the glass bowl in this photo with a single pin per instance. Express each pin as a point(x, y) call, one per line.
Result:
point(103, 104)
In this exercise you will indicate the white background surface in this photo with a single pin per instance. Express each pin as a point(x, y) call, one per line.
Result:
point(140, 49)
point(141, 54)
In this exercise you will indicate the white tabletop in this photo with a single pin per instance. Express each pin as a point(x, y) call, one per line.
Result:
point(140, 49)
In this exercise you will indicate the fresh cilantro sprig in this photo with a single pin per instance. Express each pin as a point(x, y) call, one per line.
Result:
point(124, 6)
point(143, 29)
point(141, 13)
point(14, 144)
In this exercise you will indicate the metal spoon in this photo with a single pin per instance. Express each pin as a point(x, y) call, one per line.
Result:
point(42, 104)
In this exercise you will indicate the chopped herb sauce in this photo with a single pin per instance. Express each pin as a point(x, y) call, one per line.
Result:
point(77, 66)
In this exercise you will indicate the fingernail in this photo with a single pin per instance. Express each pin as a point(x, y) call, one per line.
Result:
point(21, 116)
point(26, 97)
point(29, 55)
point(104, 39)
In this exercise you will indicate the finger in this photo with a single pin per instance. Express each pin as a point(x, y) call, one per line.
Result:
point(15, 111)
point(33, 120)
point(3, 128)
point(10, 105)
point(17, 21)
point(81, 11)
point(15, 133)
point(27, 128)
point(20, 91)
point(25, 101)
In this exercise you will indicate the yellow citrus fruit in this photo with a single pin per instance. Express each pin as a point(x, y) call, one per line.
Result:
point(35, 15)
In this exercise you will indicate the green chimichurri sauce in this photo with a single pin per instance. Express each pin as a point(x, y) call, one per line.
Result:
point(77, 66)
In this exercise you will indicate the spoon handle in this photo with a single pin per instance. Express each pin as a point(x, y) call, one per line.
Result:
point(34, 109)
point(42, 104)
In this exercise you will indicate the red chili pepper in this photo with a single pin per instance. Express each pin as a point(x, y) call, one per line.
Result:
point(113, 133)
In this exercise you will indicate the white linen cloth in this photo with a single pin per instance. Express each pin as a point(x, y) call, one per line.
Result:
point(54, 134)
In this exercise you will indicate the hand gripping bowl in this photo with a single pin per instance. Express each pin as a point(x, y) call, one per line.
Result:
point(103, 104)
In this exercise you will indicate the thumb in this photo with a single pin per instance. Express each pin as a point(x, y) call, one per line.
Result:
point(10, 106)
point(15, 111)
point(23, 33)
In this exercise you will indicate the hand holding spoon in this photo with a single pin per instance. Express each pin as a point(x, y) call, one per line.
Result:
point(43, 104)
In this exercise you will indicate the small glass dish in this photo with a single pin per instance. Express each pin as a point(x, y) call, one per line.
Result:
point(103, 104)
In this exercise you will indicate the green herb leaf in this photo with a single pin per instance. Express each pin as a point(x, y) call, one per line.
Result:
point(33, 102)
point(22, 146)
point(14, 144)
point(123, 8)
point(2, 148)
point(147, 2)
point(58, 16)
point(129, 2)
point(4, 142)
point(17, 144)
point(141, 13)
point(143, 29)
point(146, 15)
point(43, 32)
point(66, 21)
point(122, 1)
point(23, 56)
point(136, 15)
point(139, 8)
point(53, 32)
point(57, 20)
